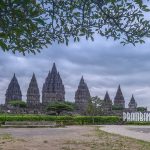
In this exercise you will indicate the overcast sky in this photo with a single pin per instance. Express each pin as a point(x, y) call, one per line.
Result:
point(104, 64)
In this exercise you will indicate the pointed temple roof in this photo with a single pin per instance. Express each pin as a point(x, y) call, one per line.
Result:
point(14, 85)
point(119, 99)
point(82, 89)
point(132, 104)
point(53, 81)
point(13, 92)
point(132, 101)
point(82, 96)
point(33, 94)
point(53, 88)
point(119, 95)
point(33, 86)
point(54, 70)
point(107, 98)
point(82, 84)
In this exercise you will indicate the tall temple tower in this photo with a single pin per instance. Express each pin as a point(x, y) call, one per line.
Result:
point(53, 88)
point(82, 96)
point(132, 104)
point(33, 94)
point(13, 92)
point(107, 105)
point(119, 99)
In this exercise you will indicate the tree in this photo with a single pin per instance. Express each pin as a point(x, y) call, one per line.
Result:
point(117, 107)
point(18, 103)
point(94, 106)
point(142, 109)
point(28, 25)
point(59, 107)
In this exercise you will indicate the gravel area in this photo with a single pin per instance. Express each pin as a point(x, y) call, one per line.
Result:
point(43, 138)
point(74, 138)
point(137, 132)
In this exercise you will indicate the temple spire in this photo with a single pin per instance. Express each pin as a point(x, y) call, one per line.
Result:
point(82, 96)
point(33, 94)
point(119, 99)
point(13, 92)
point(107, 98)
point(53, 88)
point(82, 80)
point(132, 104)
point(107, 104)
point(14, 75)
point(54, 70)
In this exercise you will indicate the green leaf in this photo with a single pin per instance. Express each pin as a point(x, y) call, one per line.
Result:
point(3, 45)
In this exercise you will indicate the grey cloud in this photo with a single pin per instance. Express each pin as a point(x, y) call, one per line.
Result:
point(103, 63)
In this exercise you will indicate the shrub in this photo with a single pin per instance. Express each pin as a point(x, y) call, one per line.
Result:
point(117, 108)
point(65, 120)
point(59, 107)
point(18, 103)
point(142, 109)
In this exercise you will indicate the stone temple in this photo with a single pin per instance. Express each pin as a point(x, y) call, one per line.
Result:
point(107, 105)
point(119, 99)
point(13, 92)
point(82, 96)
point(132, 104)
point(53, 88)
point(33, 94)
point(53, 91)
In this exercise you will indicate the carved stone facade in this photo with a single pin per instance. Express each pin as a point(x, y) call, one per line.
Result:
point(82, 97)
point(119, 99)
point(33, 94)
point(132, 104)
point(13, 92)
point(107, 104)
point(53, 88)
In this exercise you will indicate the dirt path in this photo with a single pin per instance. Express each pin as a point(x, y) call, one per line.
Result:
point(44, 138)
point(69, 138)
point(137, 132)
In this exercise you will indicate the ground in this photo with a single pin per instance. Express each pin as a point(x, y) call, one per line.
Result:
point(67, 138)
point(138, 132)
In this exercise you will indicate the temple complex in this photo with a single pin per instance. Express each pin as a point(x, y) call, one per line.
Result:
point(53, 91)
point(107, 105)
point(119, 99)
point(13, 92)
point(82, 97)
point(132, 104)
point(33, 94)
point(53, 88)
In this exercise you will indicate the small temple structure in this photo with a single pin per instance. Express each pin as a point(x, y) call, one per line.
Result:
point(82, 96)
point(13, 92)
point(33, 94)
point(53, 88)
point(119, 99)
point(107, 104)
point(132, 104)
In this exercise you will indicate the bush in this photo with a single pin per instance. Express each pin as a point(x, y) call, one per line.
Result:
point(65, 120)
point(137, 123)
point(117, 108)
point(59, 107)
point(142, 109)
point(18, 103)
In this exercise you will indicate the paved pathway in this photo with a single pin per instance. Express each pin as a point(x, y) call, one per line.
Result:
point(137, 132)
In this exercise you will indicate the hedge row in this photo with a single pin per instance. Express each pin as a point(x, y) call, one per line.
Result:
point(137, 123)
point(67, 120)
